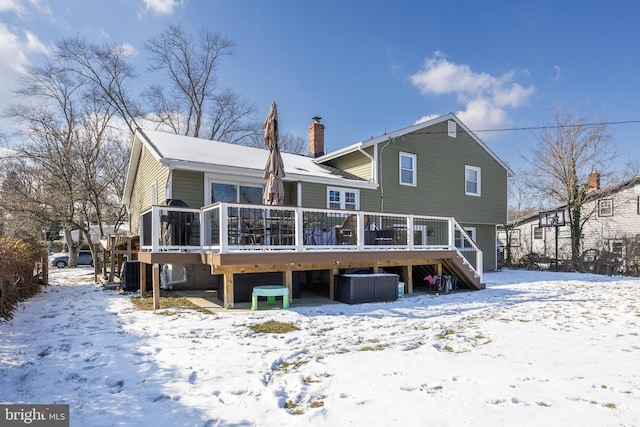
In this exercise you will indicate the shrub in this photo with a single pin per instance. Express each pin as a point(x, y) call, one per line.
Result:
point(20, 259)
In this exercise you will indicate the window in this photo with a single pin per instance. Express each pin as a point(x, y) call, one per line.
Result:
point(342, 198)
point(452, 129)
point(538, 233)
point(617, 247)
point(471, 181)
point(459, 238)
point(222, 192)
point(154, 193)
point(605, 207)
point(407, 169)
point(515, 238)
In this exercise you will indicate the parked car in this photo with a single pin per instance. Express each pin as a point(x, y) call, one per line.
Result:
point(62, 260)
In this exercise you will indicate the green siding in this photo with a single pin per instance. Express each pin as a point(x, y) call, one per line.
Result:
point(486, 241)
point(441, 164)
point(188, 186)
point(149, 171)
point(314, 195)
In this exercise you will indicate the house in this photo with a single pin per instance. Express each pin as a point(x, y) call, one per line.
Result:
point(611, 218)
point(435, 178)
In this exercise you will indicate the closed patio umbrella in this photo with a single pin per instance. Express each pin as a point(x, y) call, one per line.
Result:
point(274, 169)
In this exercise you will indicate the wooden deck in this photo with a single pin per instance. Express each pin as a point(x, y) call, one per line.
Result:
point(233, 239)
point(229, 264)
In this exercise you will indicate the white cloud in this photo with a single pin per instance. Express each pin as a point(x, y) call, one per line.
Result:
point(14, 6)
point(34, 44)
point(426, 118)
point(486, 97)
point(161, 7)
point(556, 76)
point(12, 57)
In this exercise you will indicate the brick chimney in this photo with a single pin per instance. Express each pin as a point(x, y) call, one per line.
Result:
point(316, 138)
point(594, 182)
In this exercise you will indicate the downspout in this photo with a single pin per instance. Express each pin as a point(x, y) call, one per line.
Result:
point(168, 284)
point(374, 168)
point(380, 166)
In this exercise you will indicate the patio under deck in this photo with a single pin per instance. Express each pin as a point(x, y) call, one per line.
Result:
point(224, 247)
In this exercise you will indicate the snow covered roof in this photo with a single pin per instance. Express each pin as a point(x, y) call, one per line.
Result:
point(186, 152)
point(232, 160)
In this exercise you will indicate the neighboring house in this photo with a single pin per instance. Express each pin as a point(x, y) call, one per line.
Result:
point(611, 215)
point(436, 168)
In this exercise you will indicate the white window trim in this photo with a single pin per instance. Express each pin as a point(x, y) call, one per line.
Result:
point(210, 179)
point(342, 192)
point(414, 172)
point(479, 174)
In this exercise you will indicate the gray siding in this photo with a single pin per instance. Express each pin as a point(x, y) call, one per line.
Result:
point(598, 231)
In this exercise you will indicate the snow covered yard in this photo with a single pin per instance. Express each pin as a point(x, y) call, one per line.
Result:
point(534, 348)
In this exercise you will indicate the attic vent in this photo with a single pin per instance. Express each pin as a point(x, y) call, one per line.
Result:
point(452, 129)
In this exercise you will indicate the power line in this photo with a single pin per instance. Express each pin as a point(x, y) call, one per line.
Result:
point(539, 127)
point(559, 126)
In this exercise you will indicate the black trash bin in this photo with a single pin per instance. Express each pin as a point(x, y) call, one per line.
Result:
point(130, 276)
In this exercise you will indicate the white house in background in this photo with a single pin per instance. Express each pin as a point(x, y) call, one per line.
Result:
point(612, 219)
point(94, 232)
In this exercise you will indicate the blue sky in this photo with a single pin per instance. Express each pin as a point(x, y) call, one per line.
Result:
point(367, 67)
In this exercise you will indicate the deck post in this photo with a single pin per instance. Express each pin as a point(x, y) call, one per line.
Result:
point(203, 231)
point(287, 280)
point(228, 290)
point(407, 278)
point(299, 232)
point(410, 242)
point(155, 230)
point(224, 230)
point(332, 283)
point(360, 231)
point(143, 279)
point(156, 286)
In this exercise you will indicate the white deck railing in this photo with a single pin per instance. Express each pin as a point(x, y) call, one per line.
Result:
point(233, 227)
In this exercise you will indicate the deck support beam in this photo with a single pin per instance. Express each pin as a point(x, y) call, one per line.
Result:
point(155, 274)
point(332, 283)
point(228, 290)
point(287, 280)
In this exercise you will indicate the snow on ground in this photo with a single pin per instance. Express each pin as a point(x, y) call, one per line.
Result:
point(534, 348)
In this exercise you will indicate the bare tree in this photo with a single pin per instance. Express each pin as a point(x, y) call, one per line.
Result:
point(193, 104)
point(520, 207)
point(105, 71)
point(63, 170)
point(566, 154)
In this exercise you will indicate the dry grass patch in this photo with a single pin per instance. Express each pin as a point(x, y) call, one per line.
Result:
point(167, 300)
point(274, 327)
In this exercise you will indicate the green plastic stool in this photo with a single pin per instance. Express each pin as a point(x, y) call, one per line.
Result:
point(270, 291)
